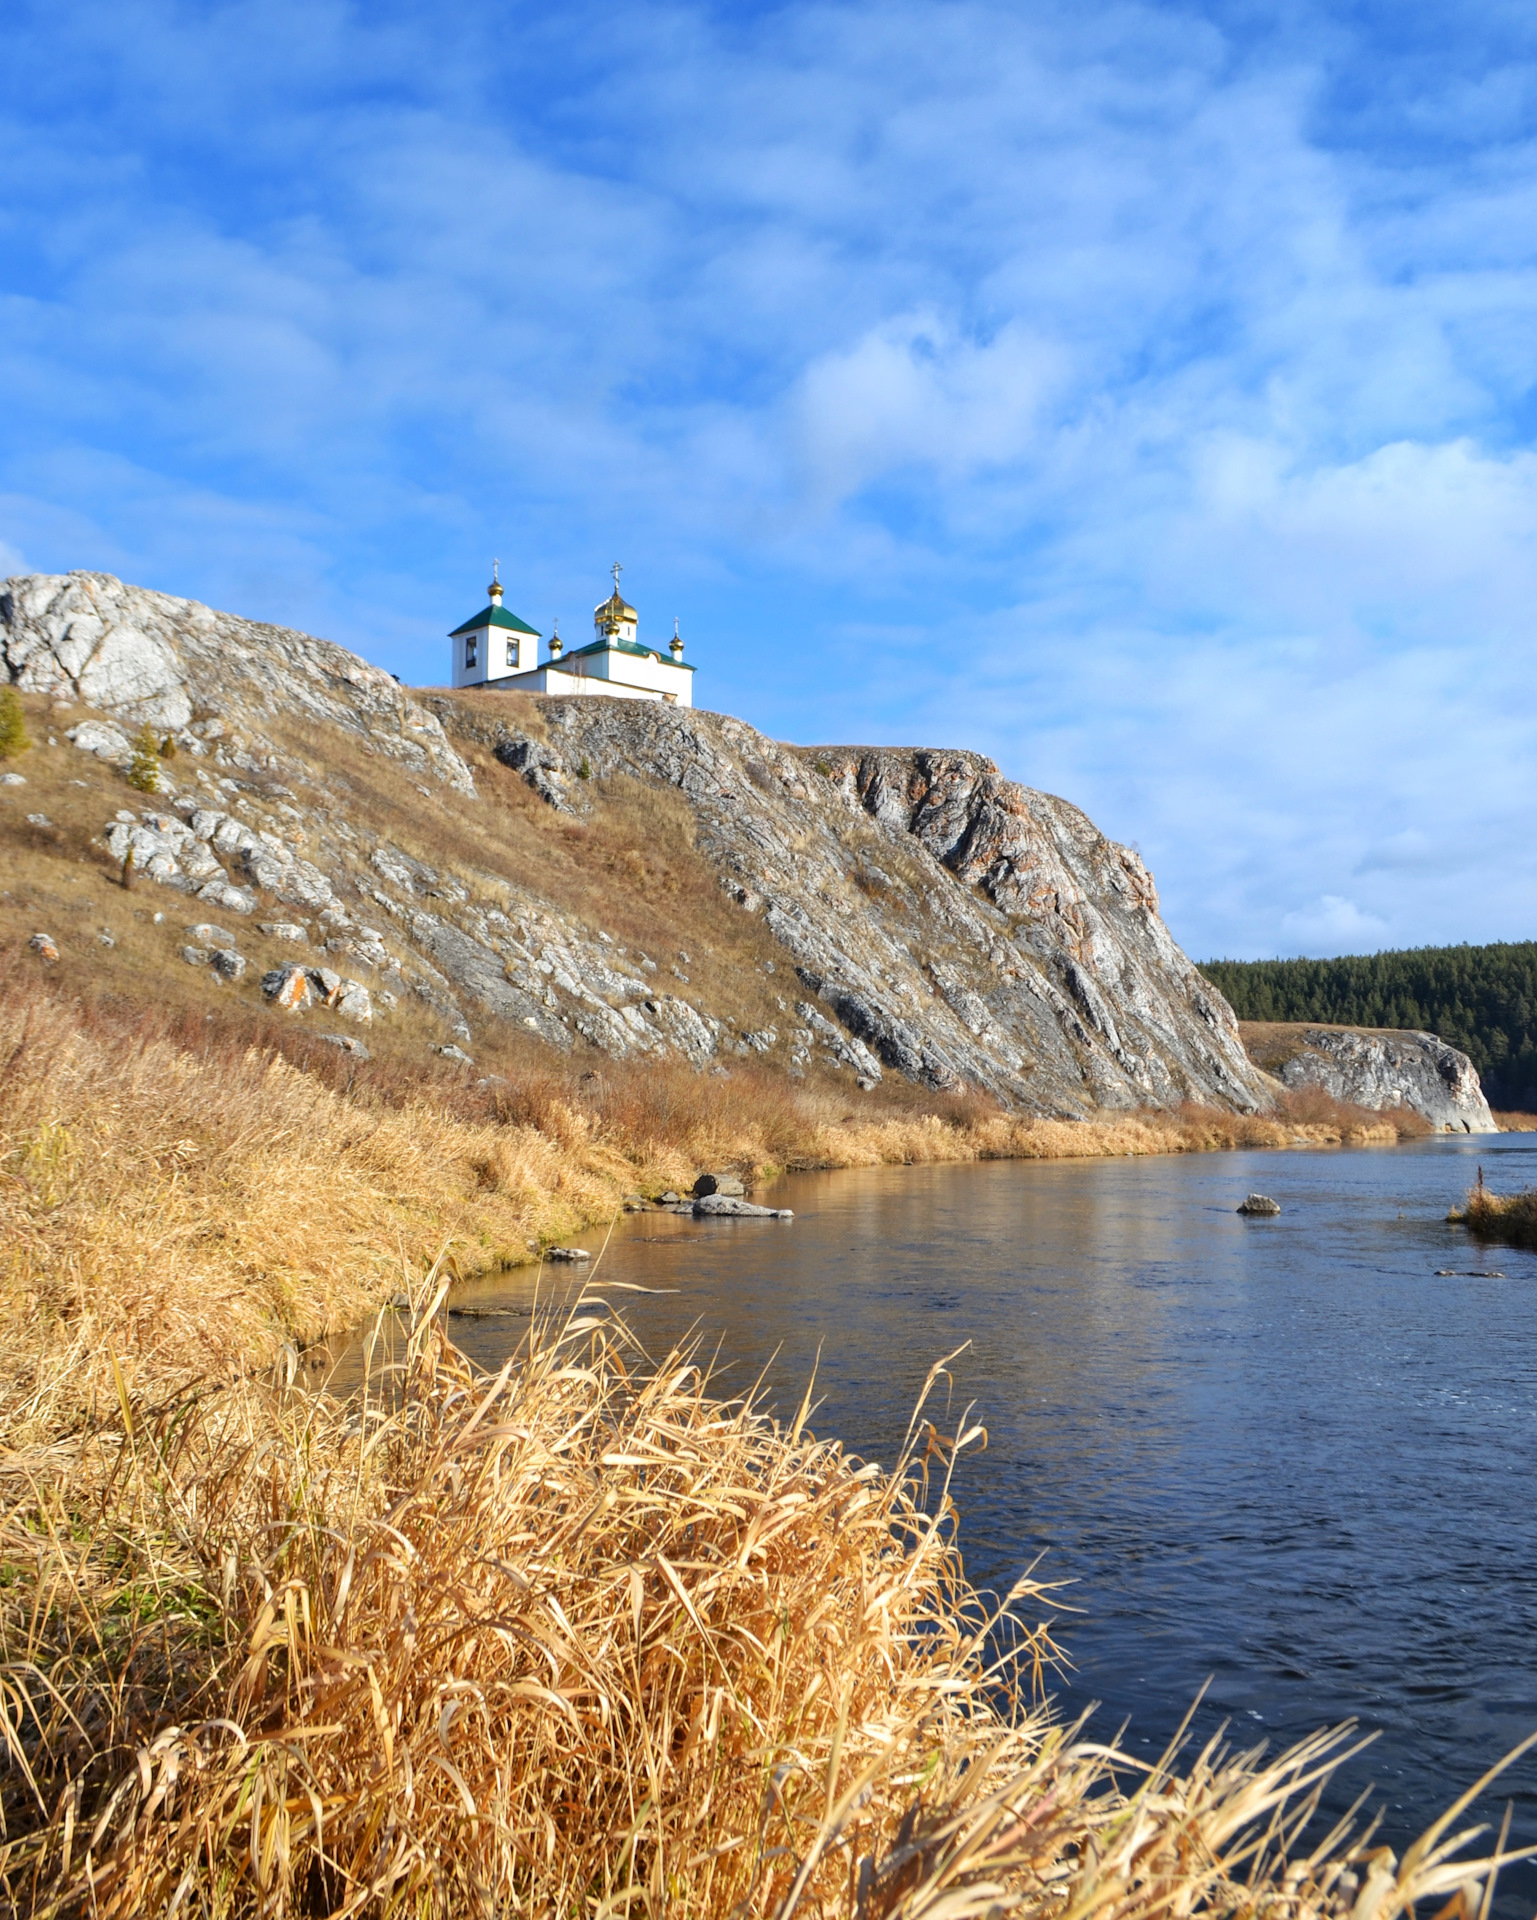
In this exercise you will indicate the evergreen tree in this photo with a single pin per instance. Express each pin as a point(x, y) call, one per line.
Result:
point(144, 770)
point(1481, 999)
point(13, 725)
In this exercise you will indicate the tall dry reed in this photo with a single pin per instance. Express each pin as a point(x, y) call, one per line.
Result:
point(582, 1638)
point(1509, 1218)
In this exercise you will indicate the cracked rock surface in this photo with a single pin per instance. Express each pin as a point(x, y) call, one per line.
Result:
point(928, 918)
point(1393, 1069)
point(946, 923)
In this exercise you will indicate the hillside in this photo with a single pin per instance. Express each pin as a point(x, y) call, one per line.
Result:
point(1482, 1000)
point(421, 875)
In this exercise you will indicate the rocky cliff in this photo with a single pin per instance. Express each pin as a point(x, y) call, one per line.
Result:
point(669, 882)
point(1376, 1068)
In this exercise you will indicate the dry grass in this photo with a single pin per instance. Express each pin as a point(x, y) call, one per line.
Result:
point(188, 1194)
point(580, 1639)
point(1516, 1122)
point(1510, 1218)
point(585, 1638)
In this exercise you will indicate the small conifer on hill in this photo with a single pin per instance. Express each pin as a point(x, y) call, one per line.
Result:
point(144, 769)
point(13, 726)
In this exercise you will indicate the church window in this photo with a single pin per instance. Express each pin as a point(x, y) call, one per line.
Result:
point(512, 653)
point(469, 651)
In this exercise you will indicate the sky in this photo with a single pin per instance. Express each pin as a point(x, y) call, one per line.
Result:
point(1143, 395)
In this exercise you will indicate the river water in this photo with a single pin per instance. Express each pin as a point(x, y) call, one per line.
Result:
point(1287, 1455)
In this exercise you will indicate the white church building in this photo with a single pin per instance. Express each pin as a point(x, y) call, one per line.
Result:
point(497, 649)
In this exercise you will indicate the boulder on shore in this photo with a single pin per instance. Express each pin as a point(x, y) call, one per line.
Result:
point(722, 1183)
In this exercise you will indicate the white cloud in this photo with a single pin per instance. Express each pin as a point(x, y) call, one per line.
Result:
point(1331, 924)
point(909, 391)
point(1080, 384)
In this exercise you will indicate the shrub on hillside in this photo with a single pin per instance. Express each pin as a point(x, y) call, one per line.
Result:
point(14, 738)
point(144, 768)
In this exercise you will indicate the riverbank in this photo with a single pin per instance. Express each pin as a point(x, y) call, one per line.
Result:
point(580, 1638)
point(183, 1201)
point(586, 1636)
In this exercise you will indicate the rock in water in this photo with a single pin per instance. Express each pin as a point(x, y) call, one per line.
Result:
point(714, 1206)
point(567, 1253)
point(1260, 1203)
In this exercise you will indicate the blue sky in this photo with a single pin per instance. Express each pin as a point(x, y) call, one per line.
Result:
point(1144, 395)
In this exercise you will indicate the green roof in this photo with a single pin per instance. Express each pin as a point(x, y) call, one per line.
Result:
point(495, 617)
point(624, 646)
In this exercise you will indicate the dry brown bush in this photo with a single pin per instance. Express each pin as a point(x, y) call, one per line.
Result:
point(581, 1639)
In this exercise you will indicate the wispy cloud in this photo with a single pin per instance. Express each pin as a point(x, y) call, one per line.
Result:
point(1138, 393)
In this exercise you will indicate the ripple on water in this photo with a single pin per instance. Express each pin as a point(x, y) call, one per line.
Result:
point(1285, 1455)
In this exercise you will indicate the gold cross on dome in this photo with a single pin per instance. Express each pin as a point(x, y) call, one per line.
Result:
point(617, 570)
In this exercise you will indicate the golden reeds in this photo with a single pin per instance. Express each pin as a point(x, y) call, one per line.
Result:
point(1510, 1218)
point(582, 1638)
point(191, 1202)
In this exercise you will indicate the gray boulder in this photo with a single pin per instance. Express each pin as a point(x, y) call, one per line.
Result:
point(345, 1043)
point(715, 1206)
point(288, 987)
point(100, 737)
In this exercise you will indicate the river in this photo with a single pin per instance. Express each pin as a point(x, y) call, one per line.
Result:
point(1286, 1455)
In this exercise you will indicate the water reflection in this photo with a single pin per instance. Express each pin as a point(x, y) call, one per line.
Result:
point(1286, 1454)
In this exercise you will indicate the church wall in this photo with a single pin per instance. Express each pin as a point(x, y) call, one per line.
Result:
point(659, 676)
point(556, 680)
point(491, 656)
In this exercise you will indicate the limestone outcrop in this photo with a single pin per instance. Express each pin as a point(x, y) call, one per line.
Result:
point(949, 924)
point(140, 656)
point(1380, 1069)
point(930, 918)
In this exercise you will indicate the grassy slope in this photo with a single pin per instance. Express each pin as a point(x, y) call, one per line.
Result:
point(587, 1639)
point(193, 1180)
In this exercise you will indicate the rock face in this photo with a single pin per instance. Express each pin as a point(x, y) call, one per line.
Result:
point(948, 924)
point(931, 919)
point(1390, 1069)
point(142, 656)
